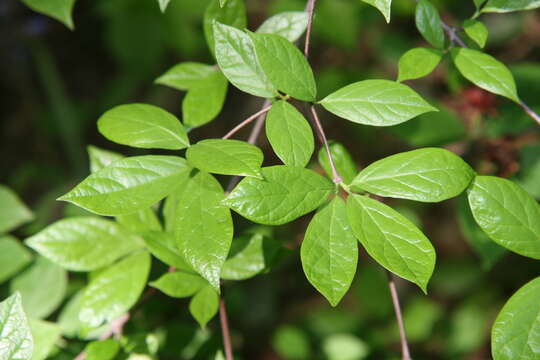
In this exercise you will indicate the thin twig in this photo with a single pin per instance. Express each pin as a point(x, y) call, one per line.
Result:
point(322, 137)
point(257, 128)
point(116, 330)
point(405, 354)
point(246, 122)
point(225, 329)
point(310, 9)
point(530, 112)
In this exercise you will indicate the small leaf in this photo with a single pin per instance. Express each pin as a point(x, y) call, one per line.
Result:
point(163, 246)
point(376, 102)
point(384, 7)
point(507, 214)
point(485, 72)
point(232, 13)
point(143, 126)
point(290, 134)
point(343, 162)
point(179, 284)
point(13, 212)
point(222, 3)
point(226, 157)
point(45, 335)
point(392, 240)
point(204, 305)
point(285, 66)
point(59, 9)
point(477, 31)
point(427, 175)
point(100, 158)
point(163, 5)
point(102, 350)
point(429, 23)
point(291, 25)
point(502, 6)
point(515, 334)
point(285, 194)
point(186, 75)
point(15, 336)
point(140, 221)
point(129, 184)
point(114, 290)
point(418, 62)
point(84, 243)
point(13, 257)
point(204, 102)
point(329, 251)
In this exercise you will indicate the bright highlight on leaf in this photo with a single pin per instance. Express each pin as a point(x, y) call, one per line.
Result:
point(502, 6)
point(15, 336)
point(291, 25)
point(230, 12)
point(418, 62)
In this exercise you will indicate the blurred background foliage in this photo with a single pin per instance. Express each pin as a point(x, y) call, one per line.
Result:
point(55, 83)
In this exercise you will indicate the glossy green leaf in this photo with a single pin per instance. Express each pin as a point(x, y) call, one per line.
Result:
point(502, 6)
point(204, 102)
point(163, 5)
point(45, 335)
point(285, 66)
point(285, 194)
point(485, 72)
point(507, 214)
point(15, 337)
point(236, 57)
point(186, 75)
point(291, 25)
point(427, 175)
point(179, 284)
point(57, 9)
point(392, 240)
point(516, 331)
point(140, 221)
point(13, 212)
point(477, 31)
point(84, 243)
point(129, 184)
point(203, 227)
point(204, 305)
point(163, 246)
point(429, 23)
point(143, 126)
point(376, 102)
point(13, 257)
point(100, 158)
point(42, 287)
point(114, 290)
point(418, 62)
point(343, 162)
point(232, 13)
point(329, 251)
point(384, 6)
point(290, 134)
point(226, 157)
point(102, 350)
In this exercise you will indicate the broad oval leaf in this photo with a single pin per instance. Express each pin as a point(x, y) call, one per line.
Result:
point(163, 246)
point(391, 239)
point(384, 6)
point(179, 284)
point(290, 134)
point(129, 184)
point(84, 243)
point(186, 75)
point(502, 6)
point(516, 332)
point(427, 175)
point(13, 212)
point(114, 290)
point(485, 72)
point(418, 62)
point(59, 9)
point(285, 66)
point(291, 25)
point(100, 158)
point(204, 102)
point(429, 23)
point(13, 257)
point(204, 305)
point(376, 102)
point(507, 214)
point(477, 31)
point(236, 57)
point(232, 13)
point(226, 157)
point(329, 251)
point(15, 337)
point(343, 162)
point(285, 194)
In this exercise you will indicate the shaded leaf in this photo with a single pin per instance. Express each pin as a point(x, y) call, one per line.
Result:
point(163, 246)
point(186, 75)
point(140, 221)
point(429, 23)
point(179, 284)
point(13, 257)
point(232, 13)
point(57, 9)
point(100, 158)
point(204, 305)
point(13, 212)
point(384, 6)
point(205, 101)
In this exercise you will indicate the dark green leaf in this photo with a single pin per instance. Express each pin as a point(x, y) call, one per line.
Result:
point(15, 335)
point(429, 23)
point(57, 9)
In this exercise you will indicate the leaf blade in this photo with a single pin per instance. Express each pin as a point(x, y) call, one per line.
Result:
point(15, 331)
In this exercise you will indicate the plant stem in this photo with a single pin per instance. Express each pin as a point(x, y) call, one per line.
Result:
point(310, 9)
point(246, 122)
point(225, 329)
point(116, 329)
point(256, 131)
point(405, 354)
point(322, 137)
point(530, 112)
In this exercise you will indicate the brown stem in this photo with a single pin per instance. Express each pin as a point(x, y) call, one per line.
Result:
point(405, 354)
point(322, 137)
point(246, 122)
point(530, 112)
point(310, 9)
point(225, 329)
point(116, 329)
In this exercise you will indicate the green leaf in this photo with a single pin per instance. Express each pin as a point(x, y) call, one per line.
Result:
point(236, 57)
point(291, 25)
point(485, 72)
point(285, 66)
point(384, 7)
point(102, 350)
point(84, 243)
point(15, 335)
point(204, 102)
point(222, 3)
point(45, 335)
point(427, 175)
point(345, 347)
point(516, 331)
point(100, 158)
point(392, 240)
point(329, 251)
point(129, 184)
point(429, 23)
point(13, 212)
point(141, 221)
point(143, 126)
point(13, 257)
point(291, 343)
point(163, 246)
point(179, 284)
point(290, 134)
point(42, 287)
point(477, 31)
point(69, 316)
point(204, 305)
point(186, 75)
point(502, 6)
point(343, 162)
point(114, 290)
point(57, 9)
point(418, 62)
point(507, 214)
point(163, 5)
point(232, 13)
point(226, 157)
point(376, 102)
point(203, 227)
point(285, 194)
